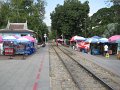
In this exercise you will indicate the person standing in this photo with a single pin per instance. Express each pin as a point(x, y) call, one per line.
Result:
point(56, 43)
point(105, 49)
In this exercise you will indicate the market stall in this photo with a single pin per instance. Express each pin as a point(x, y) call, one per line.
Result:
point(83, 46)
point(9, 43)
point(25, 46)
point(8, 47)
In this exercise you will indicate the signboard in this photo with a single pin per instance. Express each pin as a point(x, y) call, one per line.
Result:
point(45, 35)
point(9, 51)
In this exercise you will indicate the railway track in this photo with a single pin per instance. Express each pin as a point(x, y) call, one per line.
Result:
point(59, 76)
point(108, 77)
point(82, 77)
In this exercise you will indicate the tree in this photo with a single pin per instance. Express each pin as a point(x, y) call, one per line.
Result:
point(115, 2)
point(70, 18)
point(22, 10)
point(4, 10)
point(102, 19)
point(116, 5)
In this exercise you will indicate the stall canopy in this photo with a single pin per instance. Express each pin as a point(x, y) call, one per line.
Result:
point(92, 40)
point(29, 38)
point(9, 38)
point(22, 40)
point(97, 37)
point(103, 40)
point(0, 38)
point(114, 38)
point(77, 38)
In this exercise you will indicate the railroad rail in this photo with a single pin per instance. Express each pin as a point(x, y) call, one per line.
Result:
point(87, 61)
point(104, 85)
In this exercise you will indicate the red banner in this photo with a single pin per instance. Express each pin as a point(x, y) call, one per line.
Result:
point(9, 51)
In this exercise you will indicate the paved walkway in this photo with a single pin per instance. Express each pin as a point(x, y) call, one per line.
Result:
point(29, 74)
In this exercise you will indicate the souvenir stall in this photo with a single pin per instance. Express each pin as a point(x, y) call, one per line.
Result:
point(30, 48)
point(9, 43)
point(115, 41)
point(83, 46)
point(97, 44)
point(21, 46)
point(8, 48)
point(93, 45)
point(24, 46)
point(75, 40)
point(97, 47)
point(112, 48)
point(32, 43)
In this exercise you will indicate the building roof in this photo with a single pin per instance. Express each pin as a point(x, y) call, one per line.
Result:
point(16, 30)
point(12, 26)
point(16, 27)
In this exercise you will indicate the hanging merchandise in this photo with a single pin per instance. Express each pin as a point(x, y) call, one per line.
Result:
point(9, 47)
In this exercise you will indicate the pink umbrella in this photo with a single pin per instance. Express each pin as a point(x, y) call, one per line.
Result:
point(114, 38)
point(1, 39)
point(30, 38)
point(75, 38)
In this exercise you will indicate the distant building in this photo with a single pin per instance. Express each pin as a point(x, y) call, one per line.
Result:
point(18, 29)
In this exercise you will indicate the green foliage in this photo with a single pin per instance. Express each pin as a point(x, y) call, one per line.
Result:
point(4, 10)
point(104, 17)
point(52, 35)
point(115, 2)
point(69, 18)
point(22, 10)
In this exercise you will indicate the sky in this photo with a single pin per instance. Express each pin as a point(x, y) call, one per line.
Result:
point(95, 5)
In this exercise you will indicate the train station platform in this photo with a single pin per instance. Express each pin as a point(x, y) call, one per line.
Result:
point(31, 73)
